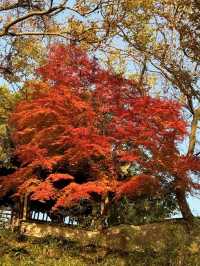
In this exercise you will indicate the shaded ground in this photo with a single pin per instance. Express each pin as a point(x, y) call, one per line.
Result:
point(162, 244)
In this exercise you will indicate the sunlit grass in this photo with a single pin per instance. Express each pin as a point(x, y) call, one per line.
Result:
point(181, 250)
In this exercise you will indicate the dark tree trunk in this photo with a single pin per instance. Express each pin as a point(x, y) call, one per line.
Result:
point(183, 205)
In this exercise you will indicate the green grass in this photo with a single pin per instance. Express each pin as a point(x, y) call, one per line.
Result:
point(181, 248)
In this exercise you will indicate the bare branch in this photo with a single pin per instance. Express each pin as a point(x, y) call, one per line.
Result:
point(32, 33)
point(144, 69)
point(12, 6)
point(5, 31)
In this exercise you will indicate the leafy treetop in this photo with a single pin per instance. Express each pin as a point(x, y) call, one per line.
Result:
point(82, 124)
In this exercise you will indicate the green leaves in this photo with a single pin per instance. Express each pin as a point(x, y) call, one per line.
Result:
point(8, 100)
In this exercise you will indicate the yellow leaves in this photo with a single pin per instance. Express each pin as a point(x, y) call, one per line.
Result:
point(30, 47)
point(52, 28)
point(110, 25)
point(145, 35)
point(148, 79)
point(151, 80)
point(135, 4)
point(84, 34)
point(84, 7)
point(182, 99)
point(125, 168)
point(29, 53)
point(116, 61)
point(7, 100)
point(194, 247)
point(75, 26)
point(114, 56)
point(2, 130)
point(6, 104)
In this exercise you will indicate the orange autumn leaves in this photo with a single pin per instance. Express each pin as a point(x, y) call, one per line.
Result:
point(73, 137)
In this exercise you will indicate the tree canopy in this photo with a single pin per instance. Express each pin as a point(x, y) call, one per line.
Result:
point(153, 42)
point(81, 124)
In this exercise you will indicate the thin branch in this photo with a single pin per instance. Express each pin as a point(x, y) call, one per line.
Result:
point(190, 104)
point(51, 3)
point(5, 31)
point(86, 13)
point(12, 6)
point(144, 69)
point(31, 33)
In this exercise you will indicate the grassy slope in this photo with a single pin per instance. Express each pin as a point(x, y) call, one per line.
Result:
point(162, 244)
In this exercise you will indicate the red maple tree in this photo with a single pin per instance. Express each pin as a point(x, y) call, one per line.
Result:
point(81, 124)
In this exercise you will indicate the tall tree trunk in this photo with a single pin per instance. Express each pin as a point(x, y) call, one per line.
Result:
point(180, 194)
point(183, 205)
point(104, 210)
point(192, 138)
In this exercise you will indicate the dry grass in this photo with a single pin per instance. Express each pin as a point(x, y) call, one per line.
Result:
point(172, 245)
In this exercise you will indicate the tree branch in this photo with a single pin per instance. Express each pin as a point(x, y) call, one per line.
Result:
point(192, 138)
point(12, 6)
point(32, 33)
point(89, 12)
point(5, 31)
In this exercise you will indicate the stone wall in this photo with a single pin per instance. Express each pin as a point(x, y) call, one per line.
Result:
point(129, 238)
point(44, 229)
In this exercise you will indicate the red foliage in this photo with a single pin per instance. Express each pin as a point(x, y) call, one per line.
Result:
point(57, 177)
point(44, 192)
point(137, 186)
point(74, 192)
point(82, 124)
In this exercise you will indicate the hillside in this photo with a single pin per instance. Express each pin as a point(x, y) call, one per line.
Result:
point(158, 244)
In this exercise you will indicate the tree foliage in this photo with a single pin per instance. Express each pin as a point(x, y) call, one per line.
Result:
point(79, 127)
point(154, 42)
point(28, 27)
point(158, 41)
point(8, 100)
